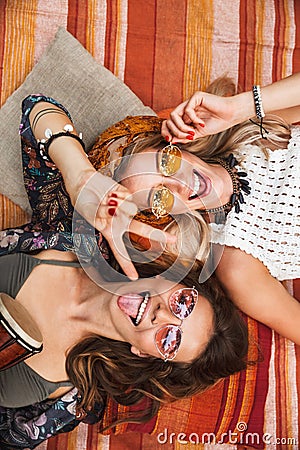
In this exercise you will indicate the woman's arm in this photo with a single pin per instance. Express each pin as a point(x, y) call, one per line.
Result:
point(89, 190)
point(205, 114)
point(251, 287)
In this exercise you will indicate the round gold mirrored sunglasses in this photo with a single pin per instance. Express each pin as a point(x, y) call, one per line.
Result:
point(169, 162)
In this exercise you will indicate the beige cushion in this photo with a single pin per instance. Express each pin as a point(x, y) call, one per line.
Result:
point(94, 96)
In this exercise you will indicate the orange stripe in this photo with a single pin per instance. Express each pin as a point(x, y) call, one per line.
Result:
point(90, 28)
point(200, 26)
point(11, 214)
point(18, 16)
point(169, 54)
point(259, 40)
point(2, 39)
point(230, 405)
point(279, 41)
point(288, 45)
point(140, 56)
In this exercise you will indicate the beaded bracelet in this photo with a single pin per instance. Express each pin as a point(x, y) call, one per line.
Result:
point(44, 144)
point(259, 110)
point(260, 114)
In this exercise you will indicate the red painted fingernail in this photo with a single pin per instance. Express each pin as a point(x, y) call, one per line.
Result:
point(167, 138)
point(192, 133)
point(113, 194)
point(112, 211)
point(113, 202)
point(190, 137)
point(202, 125)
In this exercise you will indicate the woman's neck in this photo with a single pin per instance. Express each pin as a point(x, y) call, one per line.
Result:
point(222, 187)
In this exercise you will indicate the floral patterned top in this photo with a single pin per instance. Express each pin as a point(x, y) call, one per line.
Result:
point(49, 228)
point(51, 223)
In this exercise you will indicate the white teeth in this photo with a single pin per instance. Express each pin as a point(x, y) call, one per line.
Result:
point(142, 308)
point(196, 184)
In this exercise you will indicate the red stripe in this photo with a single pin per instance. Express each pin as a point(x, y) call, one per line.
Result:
point(2, 39)
point(280, 388)
point(139, 71)
point(169, 54)
point(77, 19)
point(132, 441)
point(256, 418)
point(247, 44)
point(110, 36)
point(279, 28)
point(297, 348)
point(58, 442)
point(296, 54)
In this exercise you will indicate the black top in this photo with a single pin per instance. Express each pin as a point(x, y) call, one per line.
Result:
point(20, 385)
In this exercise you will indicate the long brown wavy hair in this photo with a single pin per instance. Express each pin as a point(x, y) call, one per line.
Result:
point(103, 368)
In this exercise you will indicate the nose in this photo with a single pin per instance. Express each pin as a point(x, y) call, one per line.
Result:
point(164, 316)
point(177, 184)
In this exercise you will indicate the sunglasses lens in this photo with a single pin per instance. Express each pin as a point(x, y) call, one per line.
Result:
point(182, 302)
point(162, 202)
point(169, 160)
point(167, 340)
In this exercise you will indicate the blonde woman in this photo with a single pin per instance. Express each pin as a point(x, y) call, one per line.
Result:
point(256, 189)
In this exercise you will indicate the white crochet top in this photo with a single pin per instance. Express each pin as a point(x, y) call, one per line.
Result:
point(268, 226)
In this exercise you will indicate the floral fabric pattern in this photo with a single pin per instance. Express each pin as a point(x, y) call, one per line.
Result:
point(27, 427)
point(51, 223)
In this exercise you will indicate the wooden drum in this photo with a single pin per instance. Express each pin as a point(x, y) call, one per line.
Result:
point(20, 336)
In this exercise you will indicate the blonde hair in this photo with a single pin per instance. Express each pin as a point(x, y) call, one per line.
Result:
point(209, 149)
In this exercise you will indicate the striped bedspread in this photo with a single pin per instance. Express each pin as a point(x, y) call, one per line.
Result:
point(164, 50)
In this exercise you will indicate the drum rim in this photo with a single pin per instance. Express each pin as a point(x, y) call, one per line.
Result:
point(11, 325)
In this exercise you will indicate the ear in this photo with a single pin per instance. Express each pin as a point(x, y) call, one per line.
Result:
point(137, 352)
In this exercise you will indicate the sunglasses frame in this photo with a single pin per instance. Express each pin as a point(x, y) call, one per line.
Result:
point(154, 210)
point(177, 327)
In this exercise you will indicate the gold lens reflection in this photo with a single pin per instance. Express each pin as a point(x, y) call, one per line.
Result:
point(162, 202)
point(169, 160)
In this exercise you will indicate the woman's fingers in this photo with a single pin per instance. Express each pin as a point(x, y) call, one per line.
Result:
point(183, 122)
point(119, 250)
point(153, 234)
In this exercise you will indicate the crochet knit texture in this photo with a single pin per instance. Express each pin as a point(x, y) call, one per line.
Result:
point(268, 227)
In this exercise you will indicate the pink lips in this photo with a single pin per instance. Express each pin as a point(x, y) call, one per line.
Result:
point(204, 187)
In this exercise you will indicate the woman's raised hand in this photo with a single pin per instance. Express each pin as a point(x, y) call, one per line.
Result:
point(202, 115)
point(107, 206)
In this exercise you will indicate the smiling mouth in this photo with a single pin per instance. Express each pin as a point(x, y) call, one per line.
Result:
point(201, 186)
point(134, 306)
